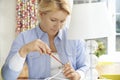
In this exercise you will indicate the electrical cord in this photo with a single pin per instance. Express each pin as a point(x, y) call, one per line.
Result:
point(55, 76)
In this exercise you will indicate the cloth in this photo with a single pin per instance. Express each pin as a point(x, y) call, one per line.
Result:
point(16, 62)
point(56, 67)
point(73, 51)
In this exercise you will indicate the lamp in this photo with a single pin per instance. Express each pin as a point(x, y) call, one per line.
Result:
point(90, 20)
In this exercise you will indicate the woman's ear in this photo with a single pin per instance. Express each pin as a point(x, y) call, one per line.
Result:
point(38, 1)
point(41, 14)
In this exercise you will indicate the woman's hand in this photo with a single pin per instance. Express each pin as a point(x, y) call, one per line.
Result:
point(36, 45)
point(70, 73)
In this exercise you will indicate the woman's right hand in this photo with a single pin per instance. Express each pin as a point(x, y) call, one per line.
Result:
point(36, 45)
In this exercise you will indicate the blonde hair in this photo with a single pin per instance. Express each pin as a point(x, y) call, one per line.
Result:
point(45, 6)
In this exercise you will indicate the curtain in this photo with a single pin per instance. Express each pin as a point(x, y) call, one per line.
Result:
point(26, 15)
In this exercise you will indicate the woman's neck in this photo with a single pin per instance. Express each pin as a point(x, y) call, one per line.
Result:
point(52, 45)
point(42, 28)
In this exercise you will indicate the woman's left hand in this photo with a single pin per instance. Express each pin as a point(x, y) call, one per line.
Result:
point(70, 73)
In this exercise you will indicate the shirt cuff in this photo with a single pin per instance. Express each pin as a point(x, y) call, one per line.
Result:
point(82, 74)
point(17, 62)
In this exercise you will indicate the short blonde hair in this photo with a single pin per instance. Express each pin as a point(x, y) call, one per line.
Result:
point(45, 6)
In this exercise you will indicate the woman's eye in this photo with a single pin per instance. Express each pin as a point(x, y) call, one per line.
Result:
point(53, 20)
point(62, 21)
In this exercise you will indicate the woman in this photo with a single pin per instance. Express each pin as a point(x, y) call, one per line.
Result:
point(36, 45)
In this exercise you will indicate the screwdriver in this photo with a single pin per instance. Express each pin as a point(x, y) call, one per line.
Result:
point(51, 54)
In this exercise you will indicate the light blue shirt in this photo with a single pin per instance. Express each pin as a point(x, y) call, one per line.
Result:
point(73, 51)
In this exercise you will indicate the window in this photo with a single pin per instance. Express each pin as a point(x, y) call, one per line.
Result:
point(84, 1)
point(117, 14)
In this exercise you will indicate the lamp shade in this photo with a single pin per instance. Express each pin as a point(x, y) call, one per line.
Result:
point(90, 20)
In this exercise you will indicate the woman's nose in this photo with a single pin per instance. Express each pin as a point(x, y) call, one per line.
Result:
point(58, 24)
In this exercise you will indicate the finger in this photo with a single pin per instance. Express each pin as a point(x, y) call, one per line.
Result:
point(67, 64)
point(42, 49)
point(48, 50)
point(66, 69)
point(45, 47)
point(69, 71)
point(71, 75)
point(39, 49)
point(41, 45)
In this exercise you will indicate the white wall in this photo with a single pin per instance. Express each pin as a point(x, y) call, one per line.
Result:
point(90, 23)
point(7, 27)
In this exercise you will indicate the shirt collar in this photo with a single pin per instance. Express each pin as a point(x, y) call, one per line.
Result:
point(40, 33)
point(60, 34)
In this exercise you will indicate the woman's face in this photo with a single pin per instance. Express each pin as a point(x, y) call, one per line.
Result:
point(52, 22)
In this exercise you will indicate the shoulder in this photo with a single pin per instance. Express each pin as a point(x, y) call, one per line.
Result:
point(76, 45)
point(77, 42)
point(28, 32)
point(26, 36)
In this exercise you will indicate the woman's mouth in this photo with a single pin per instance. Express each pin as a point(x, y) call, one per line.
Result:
point(54, 30)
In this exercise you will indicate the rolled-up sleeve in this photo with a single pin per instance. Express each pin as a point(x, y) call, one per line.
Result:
point(7, 72)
